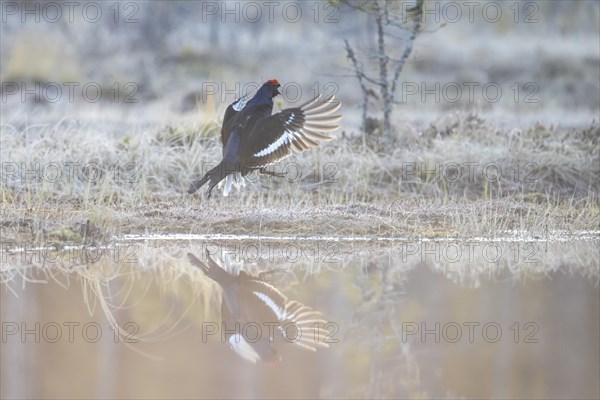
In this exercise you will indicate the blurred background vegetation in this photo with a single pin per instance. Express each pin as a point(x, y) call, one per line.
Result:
point(169, 49)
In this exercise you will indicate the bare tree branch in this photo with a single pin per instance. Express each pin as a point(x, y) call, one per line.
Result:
point(390, 20)
point(408, 47)
point(360, 76)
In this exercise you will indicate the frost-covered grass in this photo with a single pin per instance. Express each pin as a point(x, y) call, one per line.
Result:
point(461, 174)
point(449, 167)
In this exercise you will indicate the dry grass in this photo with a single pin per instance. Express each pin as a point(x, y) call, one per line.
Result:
point(461, 176)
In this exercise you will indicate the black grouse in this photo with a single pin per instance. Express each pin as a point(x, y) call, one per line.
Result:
point(253, 138)
point(248, 299)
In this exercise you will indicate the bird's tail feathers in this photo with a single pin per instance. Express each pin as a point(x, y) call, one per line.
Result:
point(198, 183)
point(215, 175)
point(210, 268)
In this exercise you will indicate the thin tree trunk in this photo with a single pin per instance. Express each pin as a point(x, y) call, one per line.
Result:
point(383, 78)
point(408, 47)
point(363, 88)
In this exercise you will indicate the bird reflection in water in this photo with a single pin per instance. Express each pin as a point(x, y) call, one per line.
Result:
point(256, 316)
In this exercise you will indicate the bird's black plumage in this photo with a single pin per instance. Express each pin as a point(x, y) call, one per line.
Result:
point(254, 139)
point(248, 299)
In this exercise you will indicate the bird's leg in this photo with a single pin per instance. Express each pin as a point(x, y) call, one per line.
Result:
point(214, 181)
point(208, 193)
point(264, 171)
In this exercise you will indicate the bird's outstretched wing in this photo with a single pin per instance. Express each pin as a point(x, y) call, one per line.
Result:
point(303, 326)
point(298, 324)
point(293, 129)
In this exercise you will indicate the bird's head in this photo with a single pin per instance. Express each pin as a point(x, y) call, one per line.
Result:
point(265, 94)
point(273, 85)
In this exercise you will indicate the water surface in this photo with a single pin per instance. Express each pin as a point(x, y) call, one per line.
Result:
point(512, 317)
